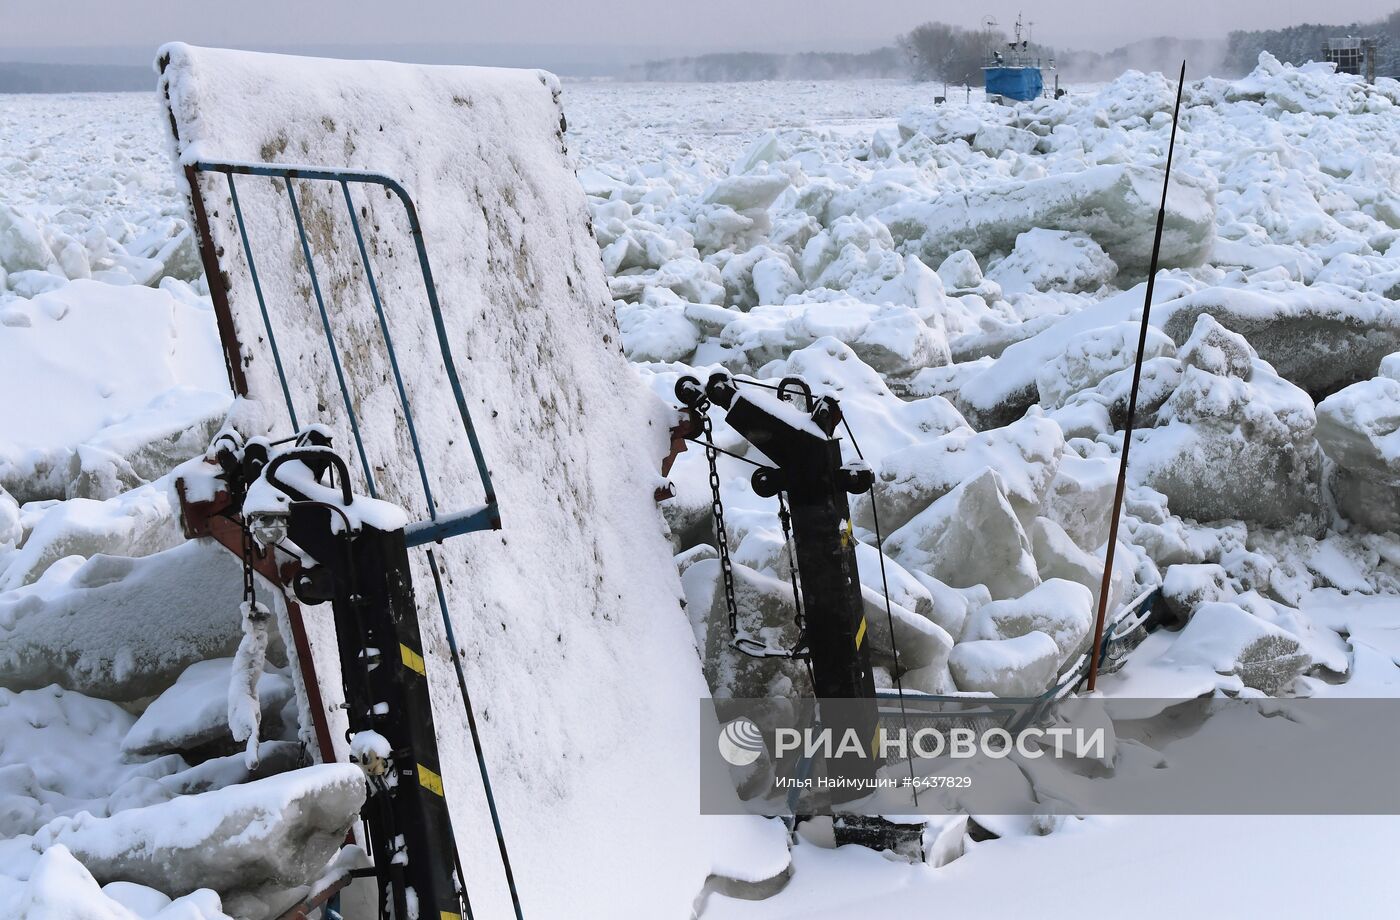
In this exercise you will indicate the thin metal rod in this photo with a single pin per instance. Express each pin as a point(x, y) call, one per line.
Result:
point(889, 612)
point(389, 346)
point(443, 345)
point(730, 453)
point(330, 338)
point(262, 303)
point(476, 738)
point(1096, 649)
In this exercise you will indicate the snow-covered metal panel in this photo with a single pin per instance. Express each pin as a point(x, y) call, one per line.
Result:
point(580, 663)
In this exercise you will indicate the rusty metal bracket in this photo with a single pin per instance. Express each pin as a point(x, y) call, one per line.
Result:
point(688, 425)
point(216, 520)
point(318, 898)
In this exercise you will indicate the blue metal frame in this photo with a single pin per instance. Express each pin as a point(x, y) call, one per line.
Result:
point(437, 527)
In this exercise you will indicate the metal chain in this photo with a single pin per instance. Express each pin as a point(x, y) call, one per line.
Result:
point(249, 594)
point(726, 567)
point(239, 490)
point(786, 517)
point(800, 650)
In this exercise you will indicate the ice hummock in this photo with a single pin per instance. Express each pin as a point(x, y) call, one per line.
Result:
point(1302, 264)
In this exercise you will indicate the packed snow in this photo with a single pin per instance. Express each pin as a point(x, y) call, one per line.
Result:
point(967, 278)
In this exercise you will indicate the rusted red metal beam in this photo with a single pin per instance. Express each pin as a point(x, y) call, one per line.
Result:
point(218, 288)
point(317, 899)
point(687, 426)
point(212, 519)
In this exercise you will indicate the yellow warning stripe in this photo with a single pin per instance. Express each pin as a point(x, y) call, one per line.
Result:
point(449, 915)
point(860, 633)
point(429, 780)
point(412, 660)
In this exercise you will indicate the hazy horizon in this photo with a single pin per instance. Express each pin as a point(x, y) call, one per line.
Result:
point(618, 32)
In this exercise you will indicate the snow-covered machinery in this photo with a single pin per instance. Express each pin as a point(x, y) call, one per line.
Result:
point(373, 393)
point(296, 521)
point(798, 443)
point(811, 483)
point(288, 510)
point(1352, 55)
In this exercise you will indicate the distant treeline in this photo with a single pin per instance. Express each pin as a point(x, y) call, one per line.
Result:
point(73, 78)
point(1297, 44)
point(747, 66)
point(932, 51)
point(940, 51)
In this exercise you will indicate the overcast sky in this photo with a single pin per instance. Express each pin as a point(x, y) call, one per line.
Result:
point(667, 26)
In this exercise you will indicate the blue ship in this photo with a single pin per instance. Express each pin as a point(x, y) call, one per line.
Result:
point(1014, 74)
point(1020, 83)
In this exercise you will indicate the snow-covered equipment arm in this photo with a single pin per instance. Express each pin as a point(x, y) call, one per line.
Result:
point(351, 552)
point(812, 482)
point(261, 502)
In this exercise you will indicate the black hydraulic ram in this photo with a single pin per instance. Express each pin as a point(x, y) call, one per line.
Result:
point(364, 573)
point(809, 469)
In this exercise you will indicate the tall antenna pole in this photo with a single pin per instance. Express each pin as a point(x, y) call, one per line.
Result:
point(1132, 401)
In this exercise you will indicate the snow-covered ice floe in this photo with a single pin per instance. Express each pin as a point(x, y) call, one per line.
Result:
point(967, 279)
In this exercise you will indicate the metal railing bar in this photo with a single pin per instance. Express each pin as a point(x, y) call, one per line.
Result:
point(389, 346)
point(330, 338)
point(262, 303)
point(476, 736)
point(443, 344)
point(289, 172)
point(482, 517)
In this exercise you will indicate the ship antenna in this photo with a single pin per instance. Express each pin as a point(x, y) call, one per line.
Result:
point(1097, 647)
